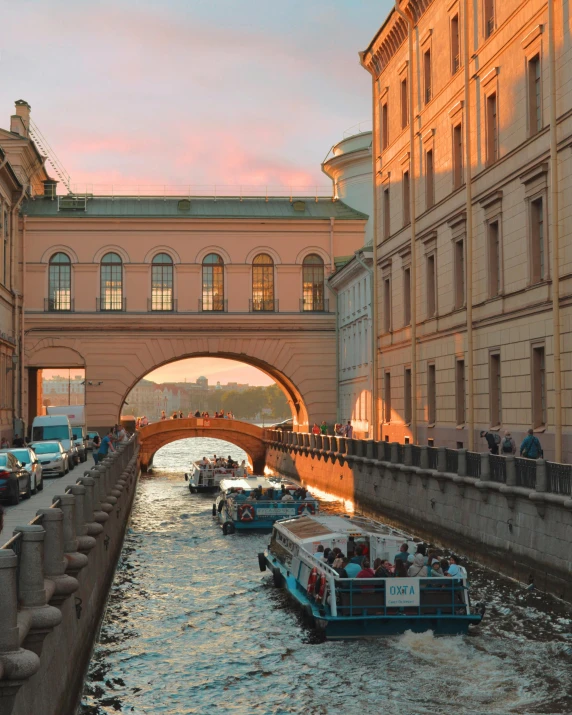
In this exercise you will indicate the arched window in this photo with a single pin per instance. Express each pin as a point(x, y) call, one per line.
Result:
point(59, 282)
point(213, 283)
point(313, 283)
point(162, 282)
point(263, 283)
point(111, 288)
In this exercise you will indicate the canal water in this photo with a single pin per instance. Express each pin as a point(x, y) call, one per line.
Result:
point(192, 626)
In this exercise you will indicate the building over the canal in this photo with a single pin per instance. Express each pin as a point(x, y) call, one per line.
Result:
point(21, 176)
point(472, 150)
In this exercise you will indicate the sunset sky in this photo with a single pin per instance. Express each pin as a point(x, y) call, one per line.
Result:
point(186, 92)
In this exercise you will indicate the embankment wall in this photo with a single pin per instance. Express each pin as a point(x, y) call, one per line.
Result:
point(513, 530)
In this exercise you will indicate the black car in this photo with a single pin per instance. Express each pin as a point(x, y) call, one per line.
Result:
point(15, 480)
point(287, 425)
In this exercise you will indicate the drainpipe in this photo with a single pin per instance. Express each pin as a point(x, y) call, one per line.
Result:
point(23, 319)
point(332, 263)
point(373, 342)
point(469, 231)
point(555, 238)
point(412, 178)
point(16, 390)
point(374, 369)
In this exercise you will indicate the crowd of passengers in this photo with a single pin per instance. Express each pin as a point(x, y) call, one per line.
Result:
point(284, 494)
point(425, 563)
point(221, 462)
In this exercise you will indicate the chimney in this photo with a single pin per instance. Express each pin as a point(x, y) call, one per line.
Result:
point(20, 122)
point(50, 189)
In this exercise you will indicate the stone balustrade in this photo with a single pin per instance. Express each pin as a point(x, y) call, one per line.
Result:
point(41, 569)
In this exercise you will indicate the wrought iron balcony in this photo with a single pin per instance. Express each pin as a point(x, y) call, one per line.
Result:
point(456, 63)
point(263, 306)
point(106, 305)
point(161, 305)
point(315, 305)
point(213, 305)
point(58, 305)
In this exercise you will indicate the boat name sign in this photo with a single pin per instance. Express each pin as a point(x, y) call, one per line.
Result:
point(261, 511)
point(403, 593)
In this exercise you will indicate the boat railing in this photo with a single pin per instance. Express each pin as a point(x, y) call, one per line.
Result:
point(367, 597)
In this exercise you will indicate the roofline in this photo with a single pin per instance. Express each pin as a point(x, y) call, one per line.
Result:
point(377, 34)
point(8, 166)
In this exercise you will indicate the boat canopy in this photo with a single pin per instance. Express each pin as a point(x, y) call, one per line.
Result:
point(247, 484)
point(308, 528)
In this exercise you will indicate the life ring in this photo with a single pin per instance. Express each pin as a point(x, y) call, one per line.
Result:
point(306, 506)
point(246, 512)
point(320, 588)
point(312, 581)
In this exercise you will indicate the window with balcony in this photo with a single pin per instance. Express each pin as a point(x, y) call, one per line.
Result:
point(313, 284)
point(429, 179)
point(387, 398)
point(538, 387)
point(404, 103)
point(455, 45)
point(534, 96)
point(407, 396)
point(537, 240)
point(460, 392)
point(457, 156)
point(431, 286)
point(384, 127)
point(111, 283)
point(406, 201)
point(162, 283)
point(495, 389)
point(427, 75)
point(407, 296)
point(459, 272)
point(431, 394)
point(387, 304)
point(263, 283)
point(59, 283)
point(494, 259)
point(489, 17)
point(386, 213)
point(492, 129)
point(213, 283)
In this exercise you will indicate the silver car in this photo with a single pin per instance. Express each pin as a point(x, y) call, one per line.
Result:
point(28, 459)
point(52, 457)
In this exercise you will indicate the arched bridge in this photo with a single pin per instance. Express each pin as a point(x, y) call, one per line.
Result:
point(248, 437)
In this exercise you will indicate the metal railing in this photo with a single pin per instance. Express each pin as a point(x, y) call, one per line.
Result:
point(490, 25)
point(269, 305)
point(427, 94)
point(58, 305)
point(214, 305)
point(473, 464)
point(318, 305)
point(559, 478)
point(105, 305)
point(497, 466)
point(452, 460)
point(525, 472)
point(159, 305)
point(432, 453)
point(456, 63)
point(415, 455)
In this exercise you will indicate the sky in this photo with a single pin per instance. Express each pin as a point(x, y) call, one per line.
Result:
point(179, 93)
point(189, 92)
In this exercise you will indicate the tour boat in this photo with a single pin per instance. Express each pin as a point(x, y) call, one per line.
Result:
point(362, 607)
point(237, 508)
point(206, 477)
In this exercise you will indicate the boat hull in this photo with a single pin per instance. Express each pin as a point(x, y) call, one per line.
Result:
point(367, 626)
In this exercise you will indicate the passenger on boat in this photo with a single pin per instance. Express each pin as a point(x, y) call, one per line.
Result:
point(417, 568)
point(308, 497)
point(455, 569)
point(445, 566)
point(331, 558)
point(315, 429)
point(197, 413)
point(204, 462)
point(434, 569)
point(382, 569)
point(339, 560)
point(403, 554)
point(354, 565)
point(366, 570)
point(400, 569)
point(422, 549)
point(319, 553)
point(327, 552)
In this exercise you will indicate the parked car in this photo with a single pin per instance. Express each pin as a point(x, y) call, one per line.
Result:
point(90, 436)
point(28, 459)
point(80, 442)
point(15, 481)
point(49, 428)
point(53, 458)
point(287, 425)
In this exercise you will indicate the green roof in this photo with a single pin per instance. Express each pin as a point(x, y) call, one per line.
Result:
point(200, 207)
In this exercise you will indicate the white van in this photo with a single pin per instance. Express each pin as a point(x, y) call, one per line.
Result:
point(55, 427)
point(76, 416)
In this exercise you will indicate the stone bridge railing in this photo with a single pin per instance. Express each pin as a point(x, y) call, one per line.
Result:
point(541, 481)
point(40, 569)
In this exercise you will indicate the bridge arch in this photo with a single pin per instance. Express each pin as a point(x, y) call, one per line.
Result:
point(248, 437)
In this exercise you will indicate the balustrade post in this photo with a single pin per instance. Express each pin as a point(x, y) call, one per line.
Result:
point(424, 457)
point(350, 447)
point(312, 444)
point(541, 476)
point(408, 455)
point(85, 542)
point(462, 462)
point(369, 449)
point(75, 560)
point(381, 451)
point(510, 470)
point(394, 452)
point(441, 460)
point(93, 527)
point(485, 467)
point(54, 561)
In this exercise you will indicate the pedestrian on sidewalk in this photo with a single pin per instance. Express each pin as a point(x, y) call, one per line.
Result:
point(493, 441)
point(531, 447)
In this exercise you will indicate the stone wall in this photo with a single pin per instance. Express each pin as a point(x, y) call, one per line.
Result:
point(524, 533)
point(55, 575)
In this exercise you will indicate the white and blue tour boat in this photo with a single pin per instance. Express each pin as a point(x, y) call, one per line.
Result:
point(256, 502)
point(362, 607)
point(205, 475)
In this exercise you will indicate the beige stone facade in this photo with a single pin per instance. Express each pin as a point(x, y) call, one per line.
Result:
point(486, 249)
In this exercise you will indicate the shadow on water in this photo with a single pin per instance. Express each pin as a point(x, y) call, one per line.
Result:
point(192, 626)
